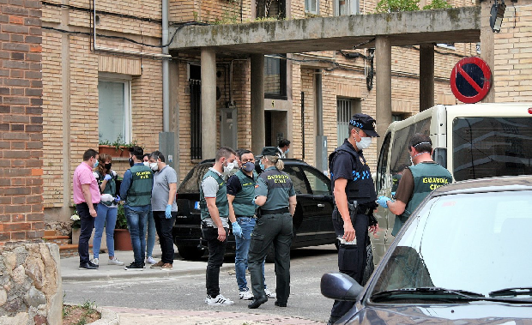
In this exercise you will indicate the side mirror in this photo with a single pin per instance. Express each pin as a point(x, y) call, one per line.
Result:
point(340, 286)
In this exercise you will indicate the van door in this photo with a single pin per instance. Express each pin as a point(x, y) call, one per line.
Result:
point(383, 187)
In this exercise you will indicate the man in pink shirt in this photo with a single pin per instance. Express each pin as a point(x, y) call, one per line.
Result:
point(86, 198)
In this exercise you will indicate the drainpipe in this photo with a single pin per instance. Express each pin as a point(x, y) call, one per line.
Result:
point(166, 76)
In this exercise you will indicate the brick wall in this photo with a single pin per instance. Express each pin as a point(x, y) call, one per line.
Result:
point(21, 122)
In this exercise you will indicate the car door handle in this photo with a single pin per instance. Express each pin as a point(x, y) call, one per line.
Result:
point(321, 205)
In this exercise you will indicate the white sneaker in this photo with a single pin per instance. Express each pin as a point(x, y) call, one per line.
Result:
point(219, 300)
point(245, 295)
point(95, 261)
point(150, 260)
point(269, 294)
point(115, 261)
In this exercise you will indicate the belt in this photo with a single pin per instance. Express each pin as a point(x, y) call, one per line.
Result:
point(364, 210)
point(276, 211)
point(242, 216)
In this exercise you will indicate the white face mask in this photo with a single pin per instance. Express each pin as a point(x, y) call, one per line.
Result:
point(229, 167)
point(147, 164)
point(154, 166)
point(364, 143)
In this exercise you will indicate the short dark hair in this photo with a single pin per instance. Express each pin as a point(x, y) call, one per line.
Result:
point(421, 142)
point(90, 153)
point(284, 143)
point(157, 155)
point(224, 152)
point(137, 152)
point(242, 152)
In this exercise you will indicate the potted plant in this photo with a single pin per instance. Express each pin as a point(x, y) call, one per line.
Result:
point(76, 225)
point(117, 148)
point(122, 237)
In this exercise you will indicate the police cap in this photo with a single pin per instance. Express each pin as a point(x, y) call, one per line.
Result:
point(366, 123)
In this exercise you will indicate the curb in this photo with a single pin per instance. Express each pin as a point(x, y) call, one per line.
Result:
point(108, 317)
point(90, 275)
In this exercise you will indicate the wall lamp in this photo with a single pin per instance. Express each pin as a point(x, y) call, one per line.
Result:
point(496, 16)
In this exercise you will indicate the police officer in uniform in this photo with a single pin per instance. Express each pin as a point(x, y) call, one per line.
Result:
point(354, 195)
point(416, 182)
point(275, 195)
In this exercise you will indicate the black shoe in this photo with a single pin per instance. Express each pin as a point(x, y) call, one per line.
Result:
point(88, 266)
point(92, 264)
point(135, 266)
point(280, 304)
point(256, 302)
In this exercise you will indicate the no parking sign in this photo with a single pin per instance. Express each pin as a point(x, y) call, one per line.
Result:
point(471, 80)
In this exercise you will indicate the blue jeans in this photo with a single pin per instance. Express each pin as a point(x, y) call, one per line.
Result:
point(106, 217)
point(136, 222)
point(151, 234)
point(242, 249)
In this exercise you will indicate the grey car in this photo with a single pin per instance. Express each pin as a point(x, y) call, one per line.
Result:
point(463, 257)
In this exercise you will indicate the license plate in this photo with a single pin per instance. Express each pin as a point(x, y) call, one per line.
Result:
point(196, 205)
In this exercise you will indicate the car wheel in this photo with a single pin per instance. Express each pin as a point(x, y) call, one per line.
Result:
point(191, 253)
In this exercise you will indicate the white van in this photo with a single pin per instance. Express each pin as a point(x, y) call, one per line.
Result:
point(471, 141)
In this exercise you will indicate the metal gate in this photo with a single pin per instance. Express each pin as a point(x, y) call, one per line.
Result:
point(195, 118)
point(343, 115)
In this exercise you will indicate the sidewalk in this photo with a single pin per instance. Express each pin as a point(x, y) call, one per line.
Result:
point(137, 316)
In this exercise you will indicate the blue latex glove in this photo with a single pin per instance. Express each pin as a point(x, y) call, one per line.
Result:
point(393, 194)
point(383, 201)
point(237, 230)
point(107, 177)
point(117, 199)
point(168, 211)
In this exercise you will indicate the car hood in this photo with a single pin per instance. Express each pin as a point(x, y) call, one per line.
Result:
point(472, 313)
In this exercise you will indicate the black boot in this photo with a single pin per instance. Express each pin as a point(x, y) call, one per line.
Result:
point(256, 302)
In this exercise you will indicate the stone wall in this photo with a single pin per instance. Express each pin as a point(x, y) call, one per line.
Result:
point(31, 290)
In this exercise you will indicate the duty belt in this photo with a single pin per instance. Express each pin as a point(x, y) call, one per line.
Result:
point(276, 211)
point(364, 210)
point(243, 216)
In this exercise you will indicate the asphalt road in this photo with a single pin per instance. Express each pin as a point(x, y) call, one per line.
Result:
point(188, 291)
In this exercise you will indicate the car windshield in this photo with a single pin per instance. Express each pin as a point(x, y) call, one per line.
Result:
point(468, 242)
point(191, 182)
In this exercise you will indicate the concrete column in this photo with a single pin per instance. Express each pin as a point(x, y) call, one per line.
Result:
point(208, 103)
point(426, 76)
point(257, 103)
point(486, 46)
point(383, 58)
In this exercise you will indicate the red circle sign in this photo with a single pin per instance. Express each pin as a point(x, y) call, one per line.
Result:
point(471, 80)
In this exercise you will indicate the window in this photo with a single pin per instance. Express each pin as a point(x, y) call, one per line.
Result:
point(345, 109)
point(194, 82)
point(312, 6)
point(317, 181)
point(275, 77)
point(346, 7)
point(114, 111)
point(400, 157)
point(298, 179)
point(449, 46)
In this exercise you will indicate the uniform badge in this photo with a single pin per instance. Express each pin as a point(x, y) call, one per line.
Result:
point(374, 125)
point(361, 160)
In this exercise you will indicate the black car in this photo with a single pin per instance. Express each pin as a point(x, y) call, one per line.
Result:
point(312, 220)
point(463, 257)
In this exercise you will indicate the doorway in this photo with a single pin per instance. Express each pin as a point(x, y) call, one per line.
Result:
point(276, 127)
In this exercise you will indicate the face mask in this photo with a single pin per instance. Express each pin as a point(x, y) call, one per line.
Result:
point(364, 143)
point(229, 167)
point(131, 162)
point(412, 158)
point(108, 166)
point(96, 164)
point(146, 163)
point(261, 165)
point(286, 151)
point(248, 167)
point(154, 166)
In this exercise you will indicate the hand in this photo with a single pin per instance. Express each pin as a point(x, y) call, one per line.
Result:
point(221, 234)
point(107, 177)
point(168, 211)
point(349, 231)
point(374, 229)
point(117, 199)
point(93, 213)
point(383, 201)
point(237, 230)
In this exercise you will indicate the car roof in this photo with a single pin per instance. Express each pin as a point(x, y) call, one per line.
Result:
point(290, 161)
point(490, 184)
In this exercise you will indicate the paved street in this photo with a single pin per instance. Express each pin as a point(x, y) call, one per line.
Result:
point(186, 292)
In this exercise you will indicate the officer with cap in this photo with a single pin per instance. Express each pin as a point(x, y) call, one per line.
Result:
point(354, 195)
point(275, 195)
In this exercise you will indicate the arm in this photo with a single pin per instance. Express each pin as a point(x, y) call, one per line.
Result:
point(397, 207)
point(85, 188)
point(126, 183)
point(341, 203)
point(403, 193)
point(172, 193)
point(215, 216)
point(232, 216)
point(260, 200)
point(292, 203)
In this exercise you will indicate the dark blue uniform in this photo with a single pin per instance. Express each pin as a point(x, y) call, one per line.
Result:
point(345, 162)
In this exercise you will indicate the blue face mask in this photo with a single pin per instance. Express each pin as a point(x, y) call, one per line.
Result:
point(96, 164)
point(248, 167)
point(261, 165)
point(286, 151)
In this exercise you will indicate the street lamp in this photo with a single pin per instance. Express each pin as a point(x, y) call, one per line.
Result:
point(496, 16)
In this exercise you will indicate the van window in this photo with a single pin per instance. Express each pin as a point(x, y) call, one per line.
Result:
point(400, 157)
point(382, 164)
point(491, 146)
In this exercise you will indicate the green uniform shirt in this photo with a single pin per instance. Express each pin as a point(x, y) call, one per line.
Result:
point(221, 197)
point(276, 186)
point(139, 193)
point(242, 204)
